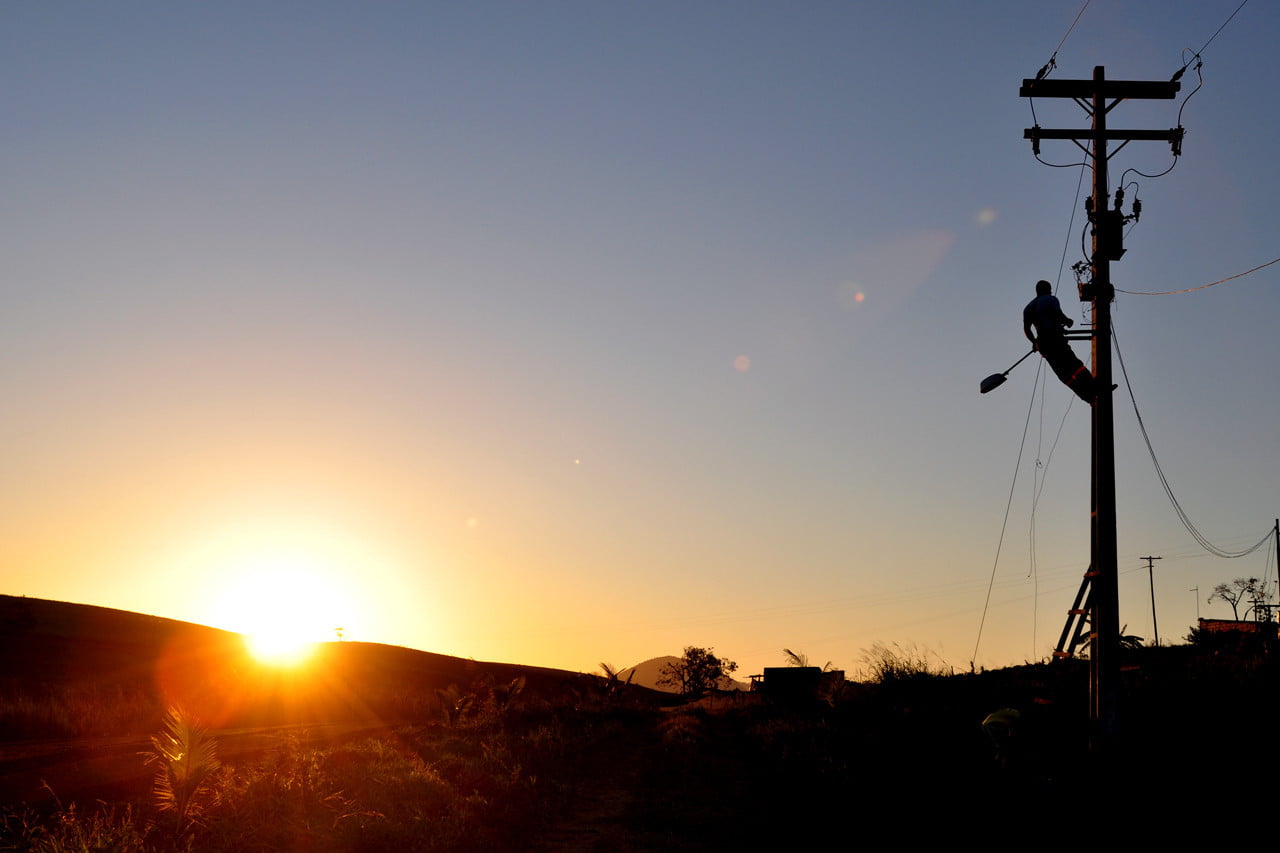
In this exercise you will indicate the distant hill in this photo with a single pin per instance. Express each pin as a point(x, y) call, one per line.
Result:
point(649, 673)
point(96, 656)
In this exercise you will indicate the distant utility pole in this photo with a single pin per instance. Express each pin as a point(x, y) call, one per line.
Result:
point(1151, 578)
point(1108, 229)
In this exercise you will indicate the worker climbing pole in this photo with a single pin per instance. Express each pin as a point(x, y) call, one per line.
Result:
point(1044, 314)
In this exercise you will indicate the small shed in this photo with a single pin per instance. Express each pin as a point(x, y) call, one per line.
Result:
point(797, 685)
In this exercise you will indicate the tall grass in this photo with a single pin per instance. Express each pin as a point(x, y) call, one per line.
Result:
point(488, 785)
point(75, 712)
point(886, 663)
point(70, 831)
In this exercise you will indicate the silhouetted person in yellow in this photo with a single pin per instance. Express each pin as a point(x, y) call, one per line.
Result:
point(1045, 314)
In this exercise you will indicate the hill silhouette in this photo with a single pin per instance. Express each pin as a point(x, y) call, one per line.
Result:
point(77, 655)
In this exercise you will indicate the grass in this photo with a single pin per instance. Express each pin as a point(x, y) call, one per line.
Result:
point(482, 785)
point(76, 712)
point(69, 831)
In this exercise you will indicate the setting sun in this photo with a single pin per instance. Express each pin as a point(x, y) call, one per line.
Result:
point(284, 603)
point(281, 648)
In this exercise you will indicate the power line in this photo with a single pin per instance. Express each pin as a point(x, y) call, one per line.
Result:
point(1073, 26)
point(1052, 63)
point(1201, 287)
point(1164, 482)
point(1177, 75)
point(1196, 56)
point(1221, 28)
point(1045, 71)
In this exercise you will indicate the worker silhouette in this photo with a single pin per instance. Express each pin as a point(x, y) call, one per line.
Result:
point(1045, 314)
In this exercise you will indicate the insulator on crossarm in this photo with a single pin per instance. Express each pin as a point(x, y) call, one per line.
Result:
point(1137, 209)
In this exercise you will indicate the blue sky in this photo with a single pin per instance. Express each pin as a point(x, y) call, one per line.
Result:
point(568, 332)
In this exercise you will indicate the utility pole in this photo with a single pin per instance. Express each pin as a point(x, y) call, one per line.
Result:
point(1151, 578)
point(1107, 226)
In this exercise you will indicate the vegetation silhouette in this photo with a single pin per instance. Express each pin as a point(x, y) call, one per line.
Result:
point(697, 671)
point(1238, 592)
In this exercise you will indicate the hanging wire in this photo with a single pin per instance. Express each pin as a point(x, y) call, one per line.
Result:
point(1045, 71)
point(986, 604)
point(1036, 474)
point(1201, 287)
point(1022, 445)
point(1199, 83)
point(1042, 470)
point(1157, 174)
point(1269, 560)
point(1177, 75)
point(1062, 261)
point(1220, 29)
point(1164, 482)
point(1045, 472)
point(1073, 26)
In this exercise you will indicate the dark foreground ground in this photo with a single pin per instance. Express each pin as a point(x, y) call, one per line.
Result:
point(904, 761)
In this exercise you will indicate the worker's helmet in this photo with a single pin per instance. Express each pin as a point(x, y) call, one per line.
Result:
point(1043, 288)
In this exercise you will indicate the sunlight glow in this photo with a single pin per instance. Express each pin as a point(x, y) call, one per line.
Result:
point(287, 604)
point(286, 595)
point(280, 649)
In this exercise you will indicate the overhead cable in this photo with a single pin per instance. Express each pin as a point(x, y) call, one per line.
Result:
point(1044, 72)
point(1201, 287)
point(1221, 28)
point(1164, 482)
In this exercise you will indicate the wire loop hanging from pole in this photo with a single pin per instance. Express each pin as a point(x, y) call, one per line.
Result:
point(1164, 482)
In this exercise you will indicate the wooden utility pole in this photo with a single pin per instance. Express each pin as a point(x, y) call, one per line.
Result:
point(1151, 579)
point(1107, 226)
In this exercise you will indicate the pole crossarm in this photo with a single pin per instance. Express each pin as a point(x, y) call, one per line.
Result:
point(1088, 89)
point(1140, 135)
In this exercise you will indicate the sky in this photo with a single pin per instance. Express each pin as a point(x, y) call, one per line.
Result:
point(568, 332)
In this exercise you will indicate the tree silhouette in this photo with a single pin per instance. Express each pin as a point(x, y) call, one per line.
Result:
point(1237, 592)
point(696, 672)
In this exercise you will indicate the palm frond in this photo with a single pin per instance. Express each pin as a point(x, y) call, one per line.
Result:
point(187, 756)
